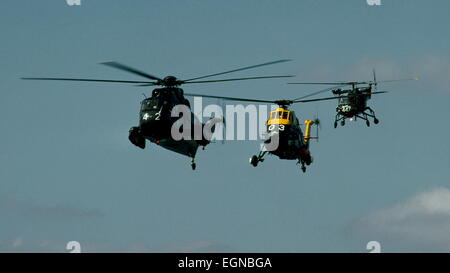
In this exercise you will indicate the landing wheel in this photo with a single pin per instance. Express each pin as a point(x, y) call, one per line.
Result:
point(376, 121)
point(193, 165)
point(343, 122)
point(335, 124)
point(367, 123)
point(303, 169)
point(254, 161)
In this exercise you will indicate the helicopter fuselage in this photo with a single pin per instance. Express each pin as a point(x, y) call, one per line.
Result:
point(283, 128)
point(352, 102)
point(156, 121)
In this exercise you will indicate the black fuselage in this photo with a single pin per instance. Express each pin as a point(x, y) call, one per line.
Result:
point(155, 120)
point(353, 102)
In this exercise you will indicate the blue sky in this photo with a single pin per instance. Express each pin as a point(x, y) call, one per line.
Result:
point(68, 172)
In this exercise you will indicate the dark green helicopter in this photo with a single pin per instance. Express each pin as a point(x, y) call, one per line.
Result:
point(155, 119)
point(352, 103)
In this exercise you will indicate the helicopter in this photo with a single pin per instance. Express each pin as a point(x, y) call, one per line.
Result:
point(284, 137)
point(155, 119)
point(352, 103)
point(283, 128)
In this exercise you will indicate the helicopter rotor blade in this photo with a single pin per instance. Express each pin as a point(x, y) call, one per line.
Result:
point(131, 70)
point(239, 69)
point(333, 98)
point(378, 92)
point(240, 79)
point(375, 79)
point(86, 80)
point(318, 92)
point(310, 100)
point(323, 83)
point(399, 80)
point(147, 84)
point(229, 98)
point(354, 83)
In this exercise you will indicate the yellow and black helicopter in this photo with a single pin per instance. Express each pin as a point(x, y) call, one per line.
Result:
point(284, 136)
point(352, 103)
point(155, 119)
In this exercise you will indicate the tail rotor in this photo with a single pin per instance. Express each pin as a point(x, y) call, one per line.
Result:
point(375, 83)
point(318, 124)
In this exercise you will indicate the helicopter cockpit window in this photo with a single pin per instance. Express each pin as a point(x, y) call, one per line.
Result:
point(284, 115)
point(147, 105)
point(343, 100)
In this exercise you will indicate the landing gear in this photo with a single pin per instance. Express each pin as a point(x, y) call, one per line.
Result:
point(254, 160)
point(365, 116)
point(193, 165)
point(362, 114)
point(136, 137)
point(302, 162)
point(338, 118)
point(372, 115)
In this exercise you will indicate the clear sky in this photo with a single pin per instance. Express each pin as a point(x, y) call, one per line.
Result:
point(68, 171)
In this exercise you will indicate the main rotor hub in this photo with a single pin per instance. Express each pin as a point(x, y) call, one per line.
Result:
point(284, 103)
point(170, 81)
